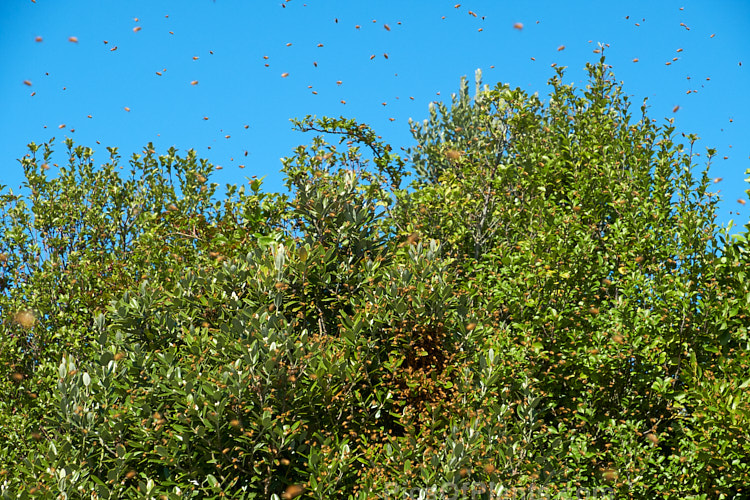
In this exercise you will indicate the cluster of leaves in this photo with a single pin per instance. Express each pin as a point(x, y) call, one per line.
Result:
point(549, 306)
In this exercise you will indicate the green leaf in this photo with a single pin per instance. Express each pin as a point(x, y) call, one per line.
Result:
point(212, 481)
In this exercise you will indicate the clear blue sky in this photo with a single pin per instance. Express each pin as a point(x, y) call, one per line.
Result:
point(222, 46)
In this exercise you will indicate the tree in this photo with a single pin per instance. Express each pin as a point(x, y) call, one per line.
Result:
point(598, 264)
point(79, 240)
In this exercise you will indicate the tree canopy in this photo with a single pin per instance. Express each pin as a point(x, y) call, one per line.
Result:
point(548, 307)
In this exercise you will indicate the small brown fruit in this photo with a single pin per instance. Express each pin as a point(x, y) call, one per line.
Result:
point(292, 491)
point(453, 155)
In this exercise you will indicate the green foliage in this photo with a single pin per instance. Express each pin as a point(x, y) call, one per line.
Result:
point(81, 239)
point(549, 308)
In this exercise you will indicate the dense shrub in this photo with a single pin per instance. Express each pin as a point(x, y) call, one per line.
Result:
point(548, 308)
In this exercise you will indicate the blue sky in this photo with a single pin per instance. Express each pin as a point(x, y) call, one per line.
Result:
point(222, 45)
